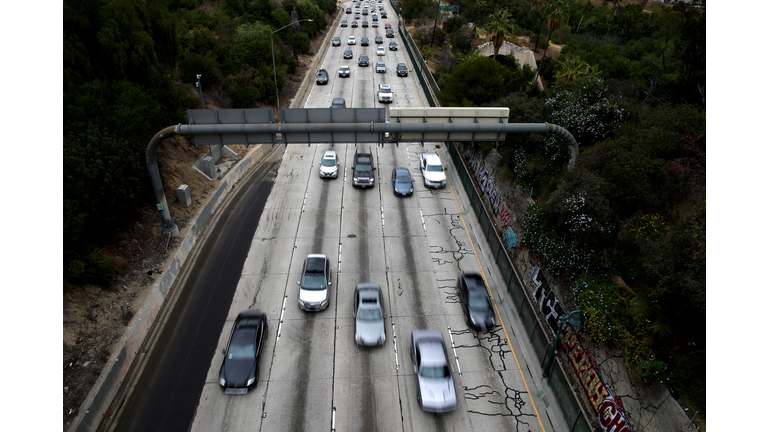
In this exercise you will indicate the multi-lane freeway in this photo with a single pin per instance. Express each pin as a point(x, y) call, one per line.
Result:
point(312, 376)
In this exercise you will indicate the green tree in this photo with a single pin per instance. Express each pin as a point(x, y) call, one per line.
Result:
point(557, 14)
point(475, 82)
point(251, 44)
point(499, 24)
point(572, 68)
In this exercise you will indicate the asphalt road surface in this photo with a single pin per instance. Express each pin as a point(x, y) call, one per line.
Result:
point(312, 376)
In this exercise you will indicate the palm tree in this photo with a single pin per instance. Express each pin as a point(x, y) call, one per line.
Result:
point(471, 55)
point(558, 15)
point(499, 24)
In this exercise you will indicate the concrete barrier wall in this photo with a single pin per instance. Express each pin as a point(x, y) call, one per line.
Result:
point(105, 389)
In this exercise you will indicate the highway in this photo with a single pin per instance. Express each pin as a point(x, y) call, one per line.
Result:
point(312, 376)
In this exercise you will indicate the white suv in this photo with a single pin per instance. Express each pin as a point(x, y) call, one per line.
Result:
point(385, 93)
point(351, 41)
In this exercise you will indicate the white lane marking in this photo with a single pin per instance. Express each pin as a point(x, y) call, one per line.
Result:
point(423, 224)
point(333, 419)
point(394, 342)
point(453, 347)
point(280, 326)
point(304, 204)
point(382, 216)
point(338, 264)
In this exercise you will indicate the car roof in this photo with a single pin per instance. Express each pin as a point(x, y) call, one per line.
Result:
point(402, 170)
point(316, 263)
point(249, 318)
point(432, 353)
point(474, 281)
point(329, 154)
point(368, 286)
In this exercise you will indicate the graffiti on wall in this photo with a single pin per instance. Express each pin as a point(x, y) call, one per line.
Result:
point(545, 298)
point(610, 412)
point(485, 183)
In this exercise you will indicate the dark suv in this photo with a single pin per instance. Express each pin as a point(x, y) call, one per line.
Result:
point(362, 169)
point(402, 70)
point(362, 60)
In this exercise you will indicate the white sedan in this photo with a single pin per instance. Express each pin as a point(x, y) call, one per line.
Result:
point(351, 41)
point(381, 51)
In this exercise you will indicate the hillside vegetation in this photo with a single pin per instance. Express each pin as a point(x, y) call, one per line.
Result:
point(625, 230)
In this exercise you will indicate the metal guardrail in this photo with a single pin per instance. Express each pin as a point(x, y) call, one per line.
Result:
point(570, 405)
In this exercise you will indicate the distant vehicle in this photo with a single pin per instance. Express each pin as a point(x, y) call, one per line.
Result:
point(344, 71)
point(348, 54)
point(390, 33)
point(329, 166)
point(379, 40)
point(322, 76)
point(314, 283)
point(375, 18)
point(383, 13)
point(365, 24)
point(354, 24)
point(402, 70)
point(357, 16)
point(349, 10)
point(381, 51)
point(351, 40)
point(432, 170)
point(239, 370)
point(336, 41)
point(381, 67)
point(475, 301)
point(393, 46)
point(338, 103)
point(387, 26)
point(385, 94)
point(364, 41)
point(430, 363)
point(343, 23)
point(402, 183)
point(362, 170)
point(362, 60)
point(369, 315)
point(375, 24)
point(365, 11)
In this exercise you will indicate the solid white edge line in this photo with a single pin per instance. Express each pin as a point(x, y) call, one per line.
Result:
point(394, 342)
point(333, 419)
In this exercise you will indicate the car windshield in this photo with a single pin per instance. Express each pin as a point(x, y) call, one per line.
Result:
point(329, 162)
point(369, 314)
point(242, 347)
point(435, 372)
point(434, 168)
point(364, 167)
point(313, 281)
point(479, 303)
point(402, 178)
point(386, 90)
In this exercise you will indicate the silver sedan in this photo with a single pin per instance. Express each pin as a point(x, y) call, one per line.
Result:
point(430, 362)
point(369, 315)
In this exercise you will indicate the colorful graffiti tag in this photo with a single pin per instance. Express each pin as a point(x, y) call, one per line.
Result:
point(609, 410)
point(485, 183)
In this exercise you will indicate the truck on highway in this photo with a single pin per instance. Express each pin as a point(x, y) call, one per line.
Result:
point(432, 170)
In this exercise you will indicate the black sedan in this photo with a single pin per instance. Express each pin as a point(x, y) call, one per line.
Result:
point(402, 70)
point(402, 182)
point(475, 301)
point(241, 357)
point(343, 23)
point(379, 40)
point(322, 76)
point(364, 41)
point(393, 46)
point(348, 54)
point(363, 60)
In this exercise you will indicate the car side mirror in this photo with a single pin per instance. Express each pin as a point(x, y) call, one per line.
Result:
point(298, 282)
point(223, 351)
point(415, 370)
point(330, 283)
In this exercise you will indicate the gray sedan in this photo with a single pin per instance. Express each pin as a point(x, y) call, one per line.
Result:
point(430, 362)
point(369, 315)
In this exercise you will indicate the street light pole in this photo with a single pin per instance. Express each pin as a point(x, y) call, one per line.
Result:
point(551, 355)
point(274, 69)
point(202, 101)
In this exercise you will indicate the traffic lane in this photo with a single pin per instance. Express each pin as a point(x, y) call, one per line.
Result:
point(173, 379)
point(414, 417)
point(365, 378)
